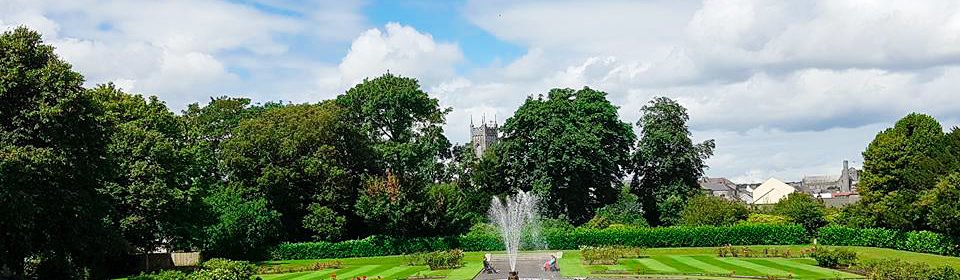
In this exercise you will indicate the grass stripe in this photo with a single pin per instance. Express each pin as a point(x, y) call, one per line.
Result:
point(362, 270)
point(312, 275)
point(730, 267)
point(762, 269)
point(655, 265)
point(393, 270)
point(795, 271)
point(826, 271)
point(678, 265)
point(289, 276)
point(706, 267)
point(406, 272)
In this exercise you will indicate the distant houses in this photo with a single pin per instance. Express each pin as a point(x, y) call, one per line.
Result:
point(833, 190)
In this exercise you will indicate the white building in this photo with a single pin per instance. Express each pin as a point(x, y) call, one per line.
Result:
point(771, 191)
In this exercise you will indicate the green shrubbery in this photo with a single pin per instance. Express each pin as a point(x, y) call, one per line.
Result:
point(896, 269)
point(704, 210)
point(914, 241)
point(706, 236)
point(834, 258)
point(214, 269)
point(569, 239)
point(448, 259)
point(608, 254)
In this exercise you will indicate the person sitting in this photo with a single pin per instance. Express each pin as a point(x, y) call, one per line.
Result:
point(487, 267)
point(551, 265)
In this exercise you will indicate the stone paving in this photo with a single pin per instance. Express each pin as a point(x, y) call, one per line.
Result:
point(529, 266)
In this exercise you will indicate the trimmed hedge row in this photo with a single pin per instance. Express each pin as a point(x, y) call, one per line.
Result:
point(914, 241)
point(709, 236)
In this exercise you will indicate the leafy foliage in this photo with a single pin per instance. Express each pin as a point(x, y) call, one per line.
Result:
point(897, 269)
point(569, 147)
point(915, 241)
point(943, 206)
point(834, 258)
point(666, 162)
point(899, 165)
point(802, 208)
point(297, 156)
point(52, 160)
point(243, 228)
point(758, 218)
point(705, 210)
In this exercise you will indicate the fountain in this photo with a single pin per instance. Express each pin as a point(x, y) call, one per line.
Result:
point(511, 217)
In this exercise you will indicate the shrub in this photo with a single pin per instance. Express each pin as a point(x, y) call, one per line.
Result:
point(444, 259)
point(757, 218)
point(223, 269)
point(704, 210)
point(834, 258)
point(608, 254)
point(162, 275)
point(705, 236)
point(802, 208)
point(915, 241)
point(896, 269)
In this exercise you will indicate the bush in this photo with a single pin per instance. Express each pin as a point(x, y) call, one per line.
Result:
point(608, 255)
point(767, 219)
point(704, 210)
point(914, 241)
point(572, 239)
point(223, 269)
point(802, 208)
point(444, 259)
point(896, 269)
point(214, 269)
point(834, 258)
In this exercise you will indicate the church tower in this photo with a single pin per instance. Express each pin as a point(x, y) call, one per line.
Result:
point(483, 136)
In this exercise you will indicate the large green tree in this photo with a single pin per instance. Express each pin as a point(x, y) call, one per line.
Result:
point(900, 164)
point(403, 123)
point(404, 126)
point(153, 202)
point(300, 158)
point(666, 162)
point(52, 151)
point(569, 147)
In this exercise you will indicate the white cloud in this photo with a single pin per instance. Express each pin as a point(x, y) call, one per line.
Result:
point(401, 50)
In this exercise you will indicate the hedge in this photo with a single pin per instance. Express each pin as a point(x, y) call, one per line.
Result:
point(708, 236)
point(914, 241)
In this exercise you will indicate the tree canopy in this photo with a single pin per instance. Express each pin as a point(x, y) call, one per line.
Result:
point(666, 163)
point(569, 147)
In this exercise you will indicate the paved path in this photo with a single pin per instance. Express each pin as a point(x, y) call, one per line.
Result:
point(528, 267)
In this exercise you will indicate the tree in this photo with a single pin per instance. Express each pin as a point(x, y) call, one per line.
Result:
point(149, 190)
point(245, 226)
point(404, 125)
point(626, 211)
point(899, 165)
point(52, 150)
point(569, 147)
point(803, 209)
point(666, 162)
point(943, 206)
point(296, 156)
point(705, 210)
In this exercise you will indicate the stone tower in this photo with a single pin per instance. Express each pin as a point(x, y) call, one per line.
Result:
point(483, 136)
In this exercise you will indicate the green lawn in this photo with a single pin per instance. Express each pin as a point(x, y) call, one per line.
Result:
point(662, 261)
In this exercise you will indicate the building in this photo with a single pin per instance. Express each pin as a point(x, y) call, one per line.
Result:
point(771, 191)
point(720, 187)
point(483, 136)
point(845, 182)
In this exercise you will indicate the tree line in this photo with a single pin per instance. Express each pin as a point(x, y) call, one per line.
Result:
point(91, 174)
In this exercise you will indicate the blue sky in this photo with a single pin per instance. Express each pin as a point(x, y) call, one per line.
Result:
point(786, 88)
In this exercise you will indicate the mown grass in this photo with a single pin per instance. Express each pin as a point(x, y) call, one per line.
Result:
point(661, 261)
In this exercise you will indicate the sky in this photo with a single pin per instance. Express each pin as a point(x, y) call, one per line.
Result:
point(786, 88)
